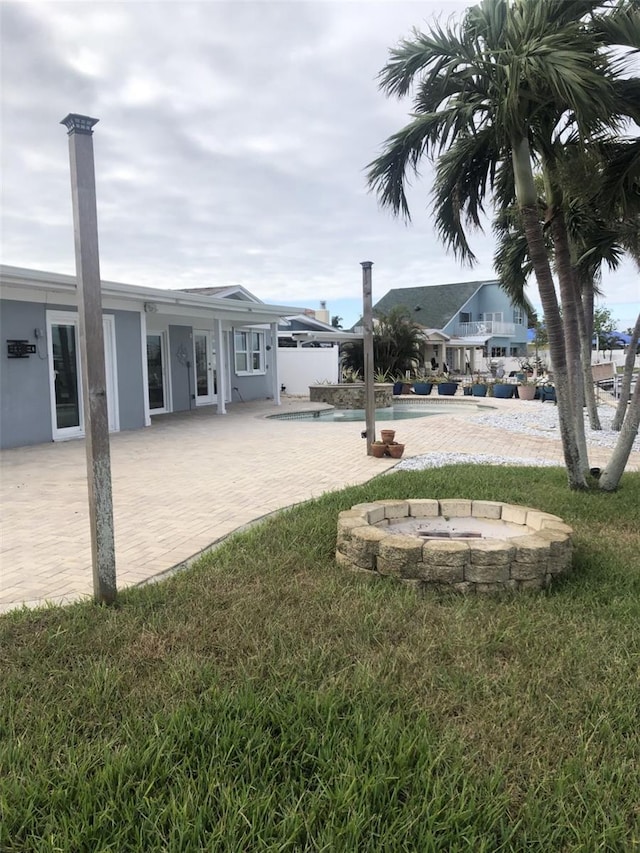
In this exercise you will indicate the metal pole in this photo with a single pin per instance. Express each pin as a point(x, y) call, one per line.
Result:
point(369, 367)
point(85, 225)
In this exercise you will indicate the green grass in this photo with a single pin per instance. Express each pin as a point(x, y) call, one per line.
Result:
point(267, 700)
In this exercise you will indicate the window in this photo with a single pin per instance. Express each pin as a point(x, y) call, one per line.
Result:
point(514, 352)
point(495, 316)
point(465, 316)
point(498, 352)
point(518, 316)
point(249, 352)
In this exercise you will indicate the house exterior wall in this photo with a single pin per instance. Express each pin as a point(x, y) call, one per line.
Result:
point(491, 299)
point(131, 388)
point(25, 397)
point(25, 410)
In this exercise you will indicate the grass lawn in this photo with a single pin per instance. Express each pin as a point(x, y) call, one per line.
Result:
point(267, 700)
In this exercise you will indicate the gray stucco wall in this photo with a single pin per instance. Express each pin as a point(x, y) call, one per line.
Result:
point(25, 397)
point(256, 387)
point(25, 408)
point(131, 388)
point(181, 352)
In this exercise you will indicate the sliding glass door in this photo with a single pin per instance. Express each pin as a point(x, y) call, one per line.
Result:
point(157, 372)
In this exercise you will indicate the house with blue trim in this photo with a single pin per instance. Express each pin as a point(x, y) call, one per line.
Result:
point(465, 324)
point(165, 351)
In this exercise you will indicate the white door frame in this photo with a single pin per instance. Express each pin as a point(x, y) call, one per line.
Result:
point(64, 318)
point(71, 318)
point(208, 398)
point(166, 383)
point(111, 371)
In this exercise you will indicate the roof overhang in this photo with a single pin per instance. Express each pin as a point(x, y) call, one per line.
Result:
point(312, 335)
point(435, 335)
point(152, 299)
point(471, 341)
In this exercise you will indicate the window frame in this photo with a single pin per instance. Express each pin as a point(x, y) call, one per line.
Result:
point(250, 351)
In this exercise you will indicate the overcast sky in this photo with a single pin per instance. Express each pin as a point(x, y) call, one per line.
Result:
point(231, 148)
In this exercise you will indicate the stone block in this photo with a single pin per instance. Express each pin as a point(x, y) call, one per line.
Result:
point(347, 524)
point(441, 574)
point(528, 571)
point(363, 547)
point(343, 560)
point(535, 518)
point(536, 583)
point(552, 524)
point(531, 549)
point(445, 553)
point(487, 588)
point(486, 509)
point(455, 508)
point(487, 574)
point(396, 509)
point(464, 588)
point(561, 550)
point(398, 556)
point(487, 552)
point(424, 508)
point(373, 512)
point(515, 514)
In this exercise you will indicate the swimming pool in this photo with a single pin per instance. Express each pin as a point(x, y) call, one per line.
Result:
point(392, 413)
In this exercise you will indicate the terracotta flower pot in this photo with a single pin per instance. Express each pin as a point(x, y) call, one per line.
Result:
point(387, 435)
point(379, 450)
point(526, 392)
point(395, 450)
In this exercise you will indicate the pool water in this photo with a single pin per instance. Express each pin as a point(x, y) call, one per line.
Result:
point(392, 413)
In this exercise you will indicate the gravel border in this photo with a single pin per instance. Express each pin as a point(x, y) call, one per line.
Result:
point(539, 420)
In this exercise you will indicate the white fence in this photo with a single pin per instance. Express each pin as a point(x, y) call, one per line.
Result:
point(299, 367)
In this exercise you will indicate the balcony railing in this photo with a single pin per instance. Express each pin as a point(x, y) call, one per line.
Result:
point(494, 328)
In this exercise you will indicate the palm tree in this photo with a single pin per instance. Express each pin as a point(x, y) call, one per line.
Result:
point(397, 345)
point(491, 93)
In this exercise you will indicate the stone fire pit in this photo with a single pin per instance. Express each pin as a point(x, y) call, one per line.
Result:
point(468, 546)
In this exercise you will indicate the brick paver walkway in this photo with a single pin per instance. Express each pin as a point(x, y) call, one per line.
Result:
point(191, 478)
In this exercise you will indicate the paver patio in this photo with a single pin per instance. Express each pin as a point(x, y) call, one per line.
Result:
point(192, 478)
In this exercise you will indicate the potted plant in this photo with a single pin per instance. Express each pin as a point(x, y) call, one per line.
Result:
point(503, 390)
point(422, 388)
point(548, 392)
point(526, 390)
point(446, 387)
point(478, 387)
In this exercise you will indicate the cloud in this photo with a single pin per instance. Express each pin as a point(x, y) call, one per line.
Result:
point(231, 148)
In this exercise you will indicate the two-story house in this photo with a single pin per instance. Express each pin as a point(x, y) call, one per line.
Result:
point(465, 324)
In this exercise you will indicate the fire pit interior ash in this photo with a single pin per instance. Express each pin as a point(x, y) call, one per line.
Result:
point(469, 546)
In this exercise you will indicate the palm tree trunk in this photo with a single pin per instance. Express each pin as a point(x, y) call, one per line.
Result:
point(527, 202)
point(611, 475)
point(585, 319)
point(568, 292)
point(625, 388)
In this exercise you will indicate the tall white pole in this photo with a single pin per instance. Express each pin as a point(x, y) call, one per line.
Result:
point(369, 367)
point(94, 386)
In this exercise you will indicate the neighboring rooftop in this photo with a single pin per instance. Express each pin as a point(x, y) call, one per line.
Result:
point(432, 306)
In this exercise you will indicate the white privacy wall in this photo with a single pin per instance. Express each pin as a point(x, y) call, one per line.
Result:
point(299, 367)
